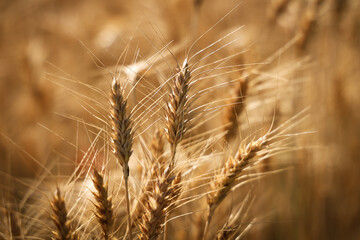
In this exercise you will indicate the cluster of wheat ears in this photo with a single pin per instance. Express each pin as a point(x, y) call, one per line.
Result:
point(194, 142)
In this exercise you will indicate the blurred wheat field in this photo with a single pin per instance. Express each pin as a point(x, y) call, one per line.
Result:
point(193, 119)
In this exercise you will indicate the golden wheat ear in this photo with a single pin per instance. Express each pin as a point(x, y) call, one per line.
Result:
point(233, 110)
point(122, 137)
point(64, 230)
point(225, 180)
point(177, 112)
point(166, 192)
point(104, 209)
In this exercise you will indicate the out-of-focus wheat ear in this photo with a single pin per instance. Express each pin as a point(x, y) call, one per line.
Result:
point(104, 209)
point(339, 8)
point(14, 224)
point(234, 108)
point(157, 148)
point(122, 137)
point(177, 112)
point(225, 180)
point(166, 192)
point(198, 3)
point(277, 8)
point(59, 216)
point(308, 24)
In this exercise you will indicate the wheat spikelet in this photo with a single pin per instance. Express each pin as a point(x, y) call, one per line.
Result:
point(234, 108)
point(60, 219)
point(104, 208)
point(166, 191)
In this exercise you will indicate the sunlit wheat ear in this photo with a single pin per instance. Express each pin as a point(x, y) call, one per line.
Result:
point(177, 112)
point(166, 191)
point(64, 229)
point(122, 127)
point(225, 180)
point(234, 108)
point(104, 209)
point(122, 137)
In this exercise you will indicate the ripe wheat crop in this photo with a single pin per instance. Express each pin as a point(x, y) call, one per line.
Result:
point(180, 120)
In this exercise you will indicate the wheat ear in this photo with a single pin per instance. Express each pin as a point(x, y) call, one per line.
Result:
point(104, 209)
point(60, 218)
point(166, 191)
point(177, 114)
point(122, 138)
point(224, 182)
point(234, 108)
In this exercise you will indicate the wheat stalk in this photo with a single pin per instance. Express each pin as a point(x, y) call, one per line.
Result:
point(104, 207)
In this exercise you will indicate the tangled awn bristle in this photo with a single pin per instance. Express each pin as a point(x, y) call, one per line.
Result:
point(223, 183)
point(234, 108)
point(177, 118)
point(60, 218)
point(167, 190)
point(104, 209)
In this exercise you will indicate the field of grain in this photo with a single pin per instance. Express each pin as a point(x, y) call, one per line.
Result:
point(192, 119)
